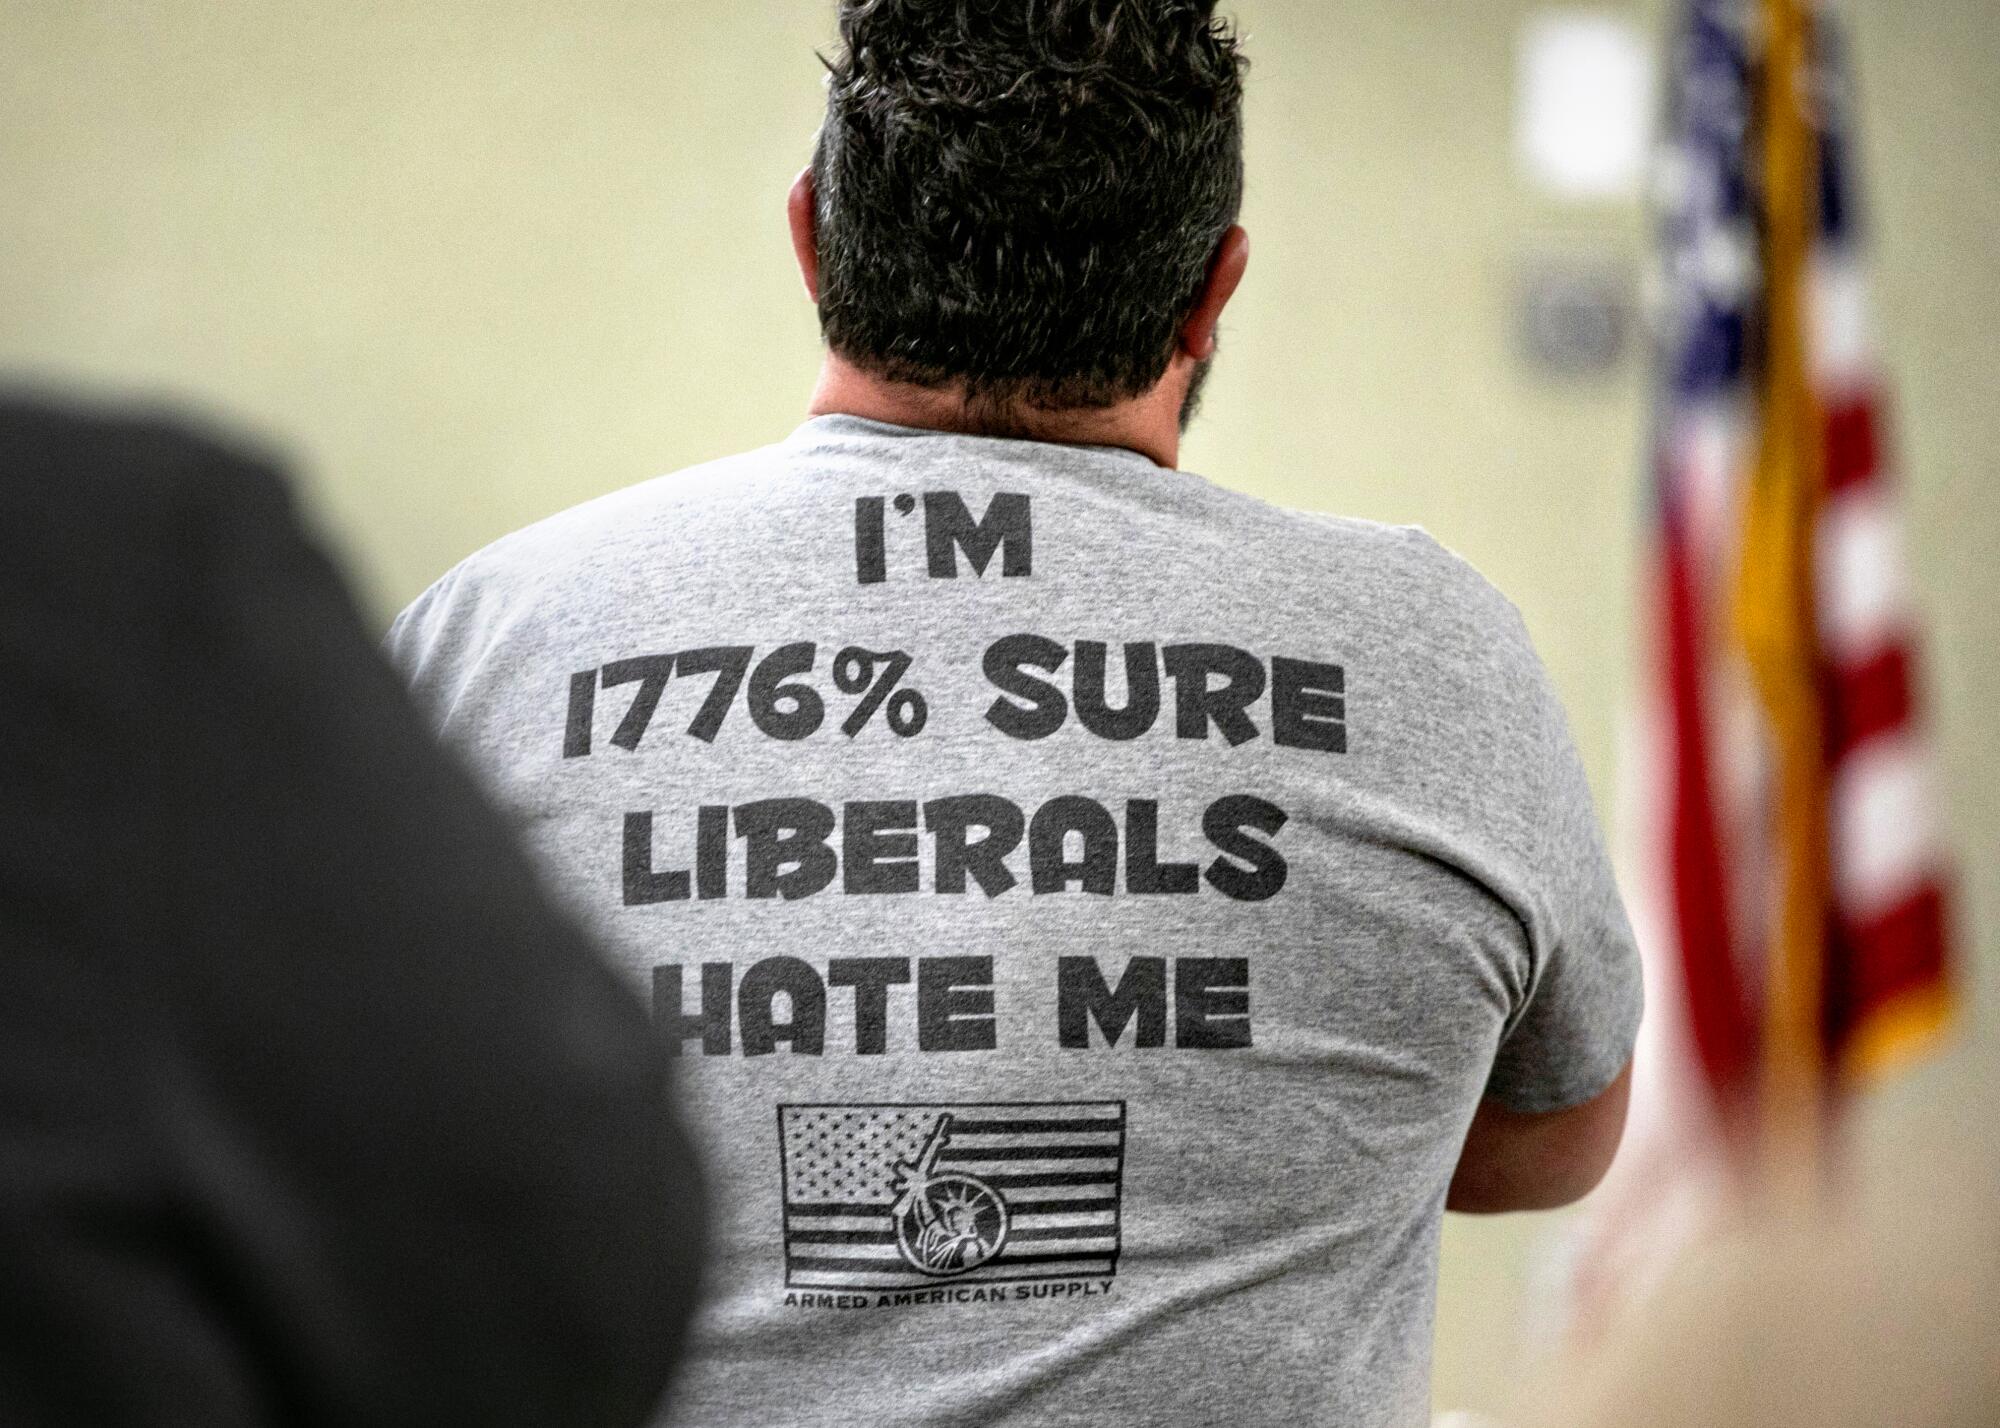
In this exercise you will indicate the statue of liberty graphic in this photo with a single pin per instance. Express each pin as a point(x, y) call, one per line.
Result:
point(947, 1222)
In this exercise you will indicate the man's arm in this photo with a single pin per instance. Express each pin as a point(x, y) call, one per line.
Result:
point(1553, 1105)
point(1514, 1160)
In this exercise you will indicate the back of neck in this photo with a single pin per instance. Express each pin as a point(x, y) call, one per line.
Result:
point(1146, 424)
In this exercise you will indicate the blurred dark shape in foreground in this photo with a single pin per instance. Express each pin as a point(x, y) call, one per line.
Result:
point(312, 1110)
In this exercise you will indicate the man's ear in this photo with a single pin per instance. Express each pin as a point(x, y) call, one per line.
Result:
point(1225, 273)
point(801, 211)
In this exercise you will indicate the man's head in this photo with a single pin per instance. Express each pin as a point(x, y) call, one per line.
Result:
point(1023, 202)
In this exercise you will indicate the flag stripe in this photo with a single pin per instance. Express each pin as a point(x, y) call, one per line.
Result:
point(1075, 1233)
point(1863, 597)
point(1067, 1245)
point(852, 1279)
point(1899, 948)
point(817, 1209)
point(1080, 1205)
point(1896, 994)
point(1087, 1193)
point(863, 1264)
point(1012, 1182)
point(1853, 456)
point(960, 1153)
point(1037, 1170)
point(967, 1128)
point(1024, 1227)
point(1065, 1112)
point(1885, 843)
point(1718, 1016)
point(1107, 1142)
point(1868, 700)
point(1841, 330)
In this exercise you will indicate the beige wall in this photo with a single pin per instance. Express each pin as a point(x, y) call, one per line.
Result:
point(472, 263)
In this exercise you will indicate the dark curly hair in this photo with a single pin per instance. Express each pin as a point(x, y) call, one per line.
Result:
point(1019, 199)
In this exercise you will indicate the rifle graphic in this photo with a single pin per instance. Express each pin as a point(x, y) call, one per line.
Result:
point(914, 1177)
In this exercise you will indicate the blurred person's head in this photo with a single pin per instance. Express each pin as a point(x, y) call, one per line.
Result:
point(1026, 211)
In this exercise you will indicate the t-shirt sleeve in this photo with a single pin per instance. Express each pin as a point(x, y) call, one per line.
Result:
point(1575, 1028)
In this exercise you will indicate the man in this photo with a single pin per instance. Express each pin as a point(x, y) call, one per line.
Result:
point(1103, 918)
point(312, 1109)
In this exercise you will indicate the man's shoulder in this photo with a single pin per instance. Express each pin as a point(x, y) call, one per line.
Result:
point(1433, 592)
point(630, 514)
point(466, 612)
point(1450, 589)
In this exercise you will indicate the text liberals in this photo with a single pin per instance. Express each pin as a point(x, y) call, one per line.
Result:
point(790, 849)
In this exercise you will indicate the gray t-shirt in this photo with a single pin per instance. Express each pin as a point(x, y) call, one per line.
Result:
point(1089, 905)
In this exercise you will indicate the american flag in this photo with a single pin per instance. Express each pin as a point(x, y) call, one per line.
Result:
point(1783, 863)
point(1035, 1185)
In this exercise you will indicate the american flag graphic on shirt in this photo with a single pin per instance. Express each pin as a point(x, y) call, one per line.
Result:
point(910, 1196)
